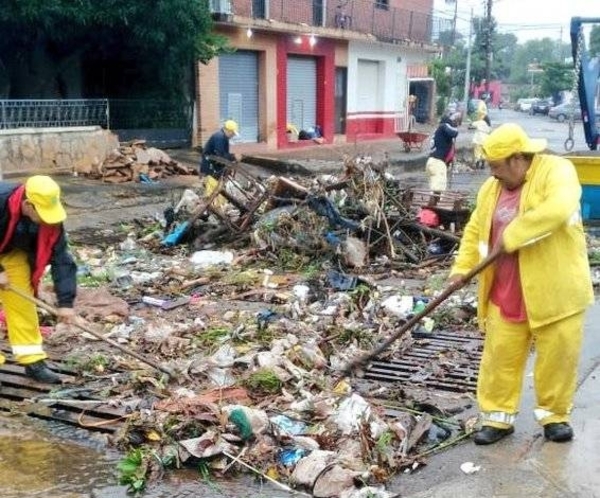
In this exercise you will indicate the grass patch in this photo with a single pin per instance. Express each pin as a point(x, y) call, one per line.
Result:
point(93, 280)
point(211, 337)
point(93, 363)
point(264, 381)
point(133, 469)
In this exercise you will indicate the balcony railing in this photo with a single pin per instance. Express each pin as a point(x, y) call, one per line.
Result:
point(377, 18)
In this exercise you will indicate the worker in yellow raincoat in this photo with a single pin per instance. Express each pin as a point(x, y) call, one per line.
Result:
point(539, 288)
point(32, 237)
point(482, 130)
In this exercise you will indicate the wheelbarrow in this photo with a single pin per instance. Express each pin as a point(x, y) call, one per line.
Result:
point(412, 139)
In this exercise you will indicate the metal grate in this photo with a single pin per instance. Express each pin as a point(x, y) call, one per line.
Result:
point(67, 404)
point(50, 113)
point(444, 361)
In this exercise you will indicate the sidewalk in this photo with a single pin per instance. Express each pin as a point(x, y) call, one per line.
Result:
point(329, 157)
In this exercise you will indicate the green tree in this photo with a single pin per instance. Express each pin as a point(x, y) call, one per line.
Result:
point(555, 78)
point(49, 47)
point(484, 38)
point(595, 40)
point(505, 47)
point(532, 53)
point(442, 75)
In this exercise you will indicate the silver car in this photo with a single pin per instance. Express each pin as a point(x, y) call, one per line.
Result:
point(564, 111)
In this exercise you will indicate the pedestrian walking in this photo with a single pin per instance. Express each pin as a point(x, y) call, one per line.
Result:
point(217, 145)
point(537, 292)
point(33, 237)
point(442, 154)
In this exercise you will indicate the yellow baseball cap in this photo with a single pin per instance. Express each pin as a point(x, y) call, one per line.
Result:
point(509, 139)
point(44, 193)
point(231, 126)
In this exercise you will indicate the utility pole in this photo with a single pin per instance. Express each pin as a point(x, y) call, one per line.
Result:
point(488, 45)
point(468, 67)
point(561, 59)
point(454, 21)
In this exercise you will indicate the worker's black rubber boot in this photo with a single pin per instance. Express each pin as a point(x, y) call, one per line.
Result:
point(39, 371)
point(558, 432)
point(491, 435)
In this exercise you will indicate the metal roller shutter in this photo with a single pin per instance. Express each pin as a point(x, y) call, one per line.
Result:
point(302, 92)
point(238, 83)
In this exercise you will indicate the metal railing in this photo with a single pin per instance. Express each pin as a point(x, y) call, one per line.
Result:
point(107, 113)
point(386, 23)
point(49, 113)
point(149, 113)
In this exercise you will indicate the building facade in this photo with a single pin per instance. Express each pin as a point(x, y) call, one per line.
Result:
point(341, 69)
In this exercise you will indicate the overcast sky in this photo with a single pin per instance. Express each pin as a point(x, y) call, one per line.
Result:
point(526, 19)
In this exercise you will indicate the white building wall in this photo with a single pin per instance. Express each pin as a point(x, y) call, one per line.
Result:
point(392, 86)
point(390, 100)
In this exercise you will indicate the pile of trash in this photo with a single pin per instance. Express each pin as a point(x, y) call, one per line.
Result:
point(361, 217)
point(256, 354)
point(247, 307)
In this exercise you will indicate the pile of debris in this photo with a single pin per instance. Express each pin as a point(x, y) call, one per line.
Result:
point(255, 357)
point(357, 218)
point(134, 161)
point(256, 331)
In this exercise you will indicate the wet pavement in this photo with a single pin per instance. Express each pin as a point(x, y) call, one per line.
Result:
point(524, 464)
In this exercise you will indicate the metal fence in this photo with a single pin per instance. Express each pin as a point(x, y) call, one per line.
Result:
point(148, 113)
point(159, 122)
point(162, 123)
point(377, 17)
point(33, 113)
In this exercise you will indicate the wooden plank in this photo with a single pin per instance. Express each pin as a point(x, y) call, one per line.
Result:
point(22, 394)
point(81, 419)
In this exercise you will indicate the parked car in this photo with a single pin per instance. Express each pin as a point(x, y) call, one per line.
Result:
point(564, 111)
point(541, 106)
point(524, 105)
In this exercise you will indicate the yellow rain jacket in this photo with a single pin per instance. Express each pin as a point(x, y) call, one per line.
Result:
point(547, 232)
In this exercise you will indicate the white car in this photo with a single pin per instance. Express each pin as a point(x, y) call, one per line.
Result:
point(524, 105)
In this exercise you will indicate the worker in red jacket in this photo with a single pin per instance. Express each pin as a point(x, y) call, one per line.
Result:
point(32, 237)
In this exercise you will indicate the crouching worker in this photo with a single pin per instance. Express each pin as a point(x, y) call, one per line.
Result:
point(217, 145)
point(32, 237)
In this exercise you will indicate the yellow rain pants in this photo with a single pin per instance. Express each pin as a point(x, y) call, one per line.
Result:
point(210, 184)
point(505, 352)
point(437, 173)
point(21, 315)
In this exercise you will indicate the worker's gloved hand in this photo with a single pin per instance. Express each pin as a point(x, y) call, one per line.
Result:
point(4, 283)
point(66, 315)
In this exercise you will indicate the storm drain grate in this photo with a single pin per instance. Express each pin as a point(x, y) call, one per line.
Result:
point(445, 361)
point(64, 403)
